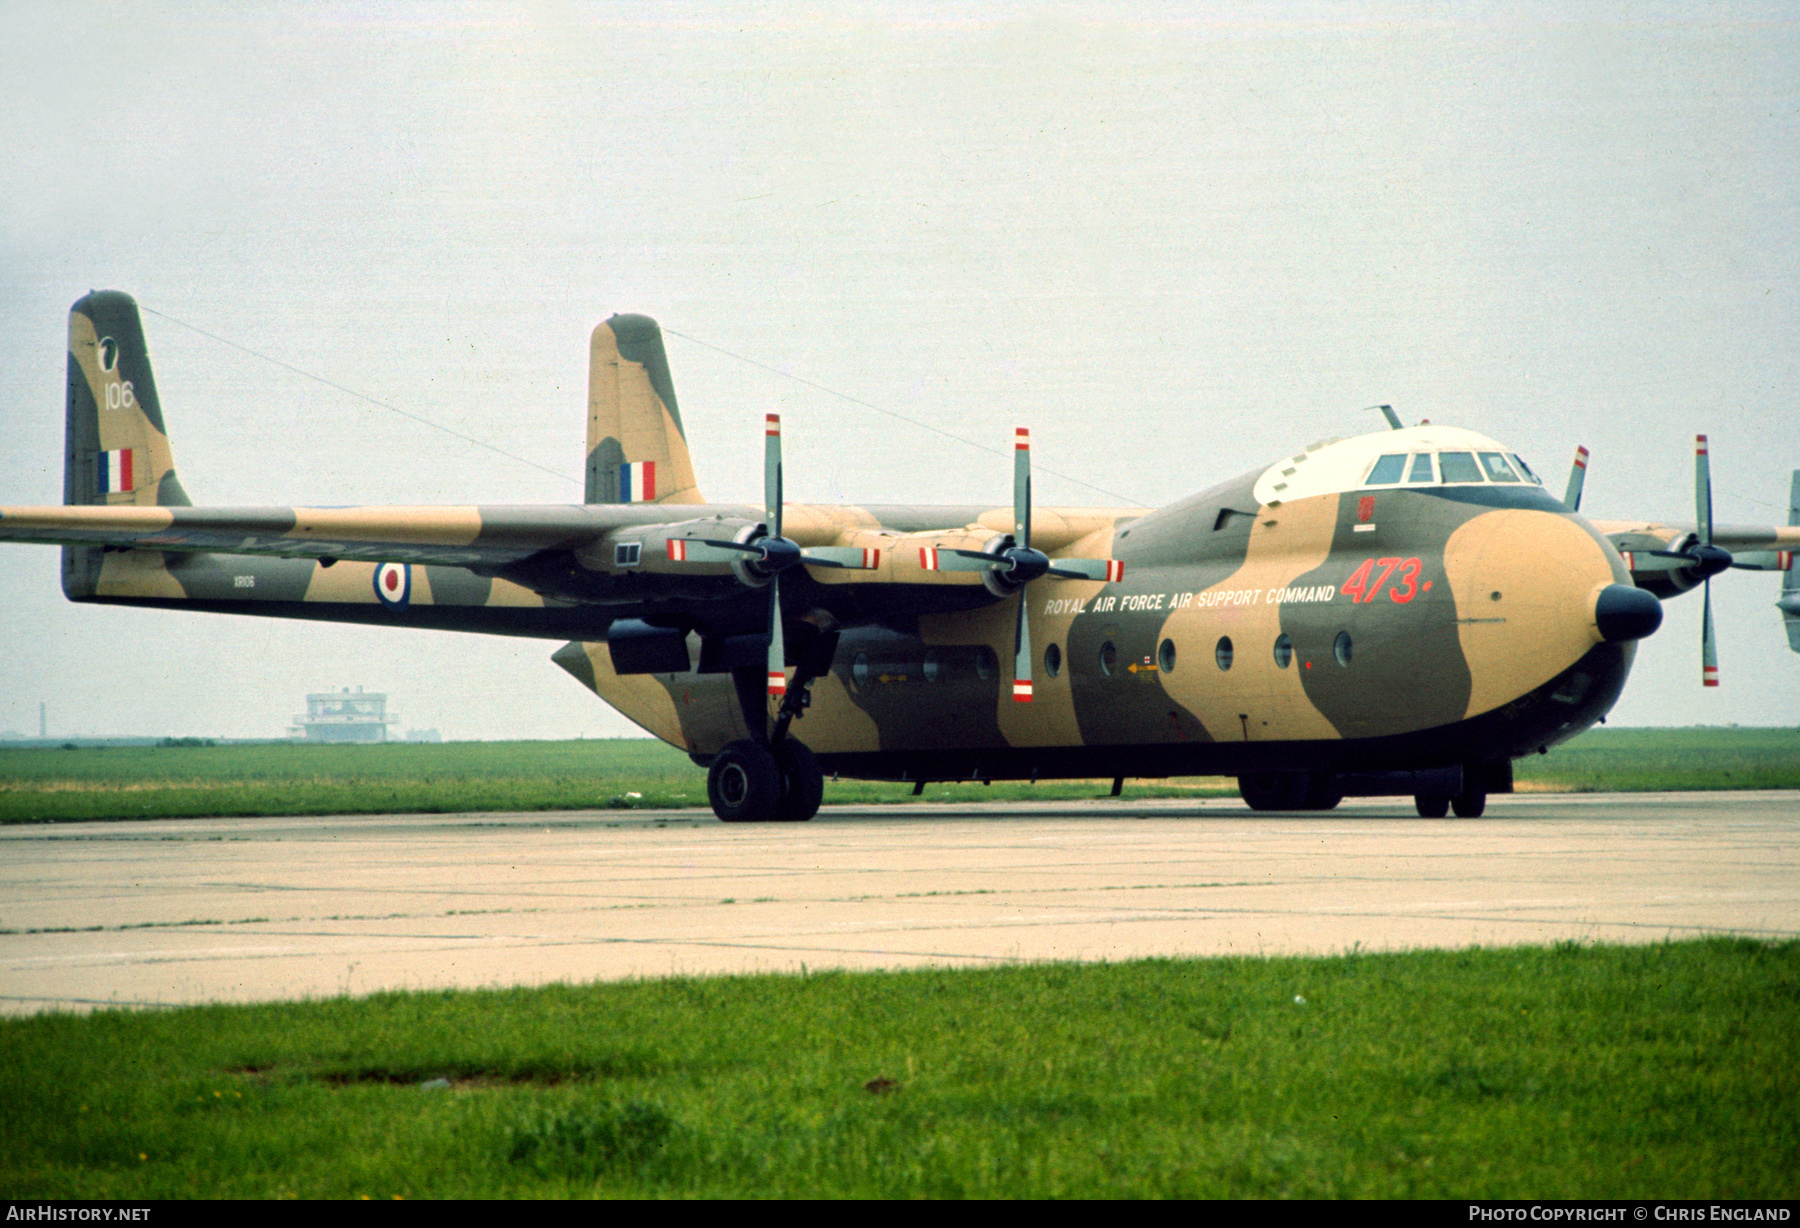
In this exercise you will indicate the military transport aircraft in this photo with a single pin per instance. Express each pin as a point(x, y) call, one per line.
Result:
point(1400, 613)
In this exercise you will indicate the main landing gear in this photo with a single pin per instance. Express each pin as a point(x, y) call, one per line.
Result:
point(1435, 791)
point(1468, 803)
point(753, 783)
point(1465, 791)
point(779, 780)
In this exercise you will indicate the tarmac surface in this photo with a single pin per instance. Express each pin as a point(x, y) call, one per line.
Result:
point(173, 912)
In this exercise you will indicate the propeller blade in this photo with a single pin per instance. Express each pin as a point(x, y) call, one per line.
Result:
point(700, 550)
point(931, 558)
point(1703, 518)
point(772, 473)
point(855, 558)
point(1022, 656)
point(1022, 487)
point(1709, 648)
point(1022, 539)
point(1709, 558)
point(1019, 566)
point(772, 554)
point(777, 649)
point(1577, 479)
point(1109, 570)
point(772, 515)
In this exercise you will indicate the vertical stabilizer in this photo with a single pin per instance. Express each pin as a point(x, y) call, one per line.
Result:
point(116, 450)
point(637, 452)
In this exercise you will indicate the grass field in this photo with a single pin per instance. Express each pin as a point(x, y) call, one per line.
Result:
point(64, 785)
point(1662, 1071)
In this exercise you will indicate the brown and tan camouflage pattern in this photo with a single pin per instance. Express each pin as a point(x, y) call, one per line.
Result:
point(632, 415)
point(1498, 622)
point(1240, 639)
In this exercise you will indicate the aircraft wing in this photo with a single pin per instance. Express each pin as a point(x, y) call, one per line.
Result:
point(1737, 538)
point(487, 536)
point(864, 562)
point(642, 562)
point(490, 537)
point(1659, 555)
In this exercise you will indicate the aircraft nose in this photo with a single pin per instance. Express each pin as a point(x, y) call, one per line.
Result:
point(1623, 612)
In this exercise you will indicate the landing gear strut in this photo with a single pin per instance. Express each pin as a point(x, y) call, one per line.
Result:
point(777, 781)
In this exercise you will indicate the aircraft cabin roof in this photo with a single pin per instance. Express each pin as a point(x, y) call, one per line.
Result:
point(1390, 460)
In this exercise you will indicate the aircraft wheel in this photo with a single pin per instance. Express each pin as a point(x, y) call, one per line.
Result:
point(1274, 790)
point(744, 783)
point(1431, 805)
point(1323, 791)
point(802, 783)
point(1470, 802)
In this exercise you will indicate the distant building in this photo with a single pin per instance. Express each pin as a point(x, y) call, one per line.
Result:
point(343, 716)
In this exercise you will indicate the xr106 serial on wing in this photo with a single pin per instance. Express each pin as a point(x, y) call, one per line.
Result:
point(1400, 613)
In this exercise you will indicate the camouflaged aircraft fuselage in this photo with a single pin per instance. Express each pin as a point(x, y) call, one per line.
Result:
point(1241, 640)
point(1401, 601)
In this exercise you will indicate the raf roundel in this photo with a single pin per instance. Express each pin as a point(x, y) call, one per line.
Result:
point(393, 585)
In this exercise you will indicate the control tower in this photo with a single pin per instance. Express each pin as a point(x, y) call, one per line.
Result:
point(343, 716)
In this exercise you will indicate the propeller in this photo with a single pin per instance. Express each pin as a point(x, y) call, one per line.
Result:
point(1027, 564)
point(1012, 563)
point(1704, 559)
point(789, 552)
point(761, 553)
point(1712, 560)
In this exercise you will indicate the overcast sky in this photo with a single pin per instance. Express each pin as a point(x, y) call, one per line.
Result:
point(1175, 241)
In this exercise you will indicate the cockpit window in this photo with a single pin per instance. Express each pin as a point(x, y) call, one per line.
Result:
point(1525, 469)
point(1387, 471)
point(1459, 467)
point(1497, 468)
point(1421, 469)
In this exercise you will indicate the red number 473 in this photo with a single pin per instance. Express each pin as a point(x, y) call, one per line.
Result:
point(1406, 583)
